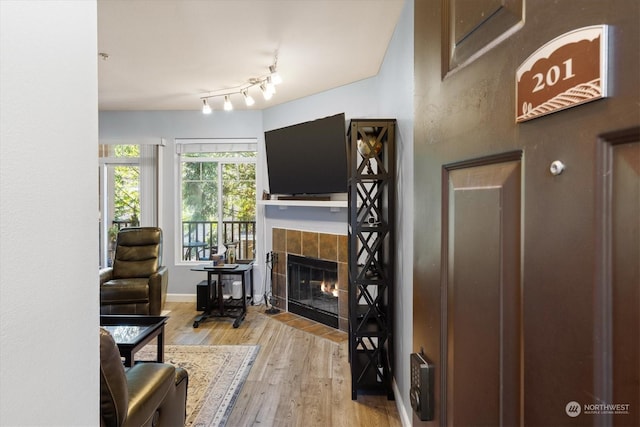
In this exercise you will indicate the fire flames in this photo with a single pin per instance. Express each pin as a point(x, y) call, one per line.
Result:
point(329, 289)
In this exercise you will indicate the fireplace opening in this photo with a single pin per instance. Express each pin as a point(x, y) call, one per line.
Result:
point(313, 289)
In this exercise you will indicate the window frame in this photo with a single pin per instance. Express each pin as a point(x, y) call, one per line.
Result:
point(148, 162)
point(223, 145)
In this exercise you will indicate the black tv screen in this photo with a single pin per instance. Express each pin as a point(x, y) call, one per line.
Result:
point(308, 158)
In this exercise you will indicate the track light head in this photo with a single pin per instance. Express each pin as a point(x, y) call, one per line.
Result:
point(206, 109)
point(228, 106)
point(248, 99)
point(271, 87)
point(265, 92)
point(275, 76)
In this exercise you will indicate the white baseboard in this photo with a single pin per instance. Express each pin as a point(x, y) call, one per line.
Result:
point(192, 298)
point(181, 297)
point(402, 411)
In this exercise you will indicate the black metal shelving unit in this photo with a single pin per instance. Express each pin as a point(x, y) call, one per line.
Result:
point(371, 253)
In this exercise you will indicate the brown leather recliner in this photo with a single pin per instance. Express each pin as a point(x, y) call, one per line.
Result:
point(148, 394)
point(137, 282)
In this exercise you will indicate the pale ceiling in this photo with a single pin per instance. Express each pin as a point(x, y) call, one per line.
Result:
point(166, 54)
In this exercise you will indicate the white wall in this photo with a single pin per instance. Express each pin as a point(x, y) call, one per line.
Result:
point(49, 348)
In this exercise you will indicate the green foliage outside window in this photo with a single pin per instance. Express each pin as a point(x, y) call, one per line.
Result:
point(200, 187)
point(127, 194)
point(239, 189)
point(126, 151)
point(127, 186)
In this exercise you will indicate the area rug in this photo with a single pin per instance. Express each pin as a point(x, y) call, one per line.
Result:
point(216, 376)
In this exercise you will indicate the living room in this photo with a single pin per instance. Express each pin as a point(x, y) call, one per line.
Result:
point(388, 94)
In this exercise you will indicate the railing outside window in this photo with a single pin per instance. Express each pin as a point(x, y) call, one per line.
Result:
point(200, 239)
point(125, 223)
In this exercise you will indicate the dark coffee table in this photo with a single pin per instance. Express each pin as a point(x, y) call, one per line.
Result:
point(131, 333)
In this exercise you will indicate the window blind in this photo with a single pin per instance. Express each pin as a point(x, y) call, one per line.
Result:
point(226, 145)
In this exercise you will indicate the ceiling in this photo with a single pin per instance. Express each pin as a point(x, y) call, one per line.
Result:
point(167, 54)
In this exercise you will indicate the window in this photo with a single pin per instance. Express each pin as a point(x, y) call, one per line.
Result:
point(217, 198)
point(128, 196)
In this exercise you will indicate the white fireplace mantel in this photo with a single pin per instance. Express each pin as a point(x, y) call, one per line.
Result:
point(285, 204)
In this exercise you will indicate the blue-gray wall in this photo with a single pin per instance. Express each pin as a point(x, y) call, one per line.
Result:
point(396, 88)
point(144, 126)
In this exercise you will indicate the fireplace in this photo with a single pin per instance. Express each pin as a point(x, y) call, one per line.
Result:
point(313, 246)
point(313, 288)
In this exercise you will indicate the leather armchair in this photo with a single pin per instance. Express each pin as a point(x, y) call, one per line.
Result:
point(148, 394)
point(137, 282)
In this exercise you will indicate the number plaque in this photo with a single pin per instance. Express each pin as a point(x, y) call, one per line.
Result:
point(568, 71)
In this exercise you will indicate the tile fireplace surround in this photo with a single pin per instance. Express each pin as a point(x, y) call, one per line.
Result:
point(330, 247)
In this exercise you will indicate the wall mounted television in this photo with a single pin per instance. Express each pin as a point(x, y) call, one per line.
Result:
point(308, 158)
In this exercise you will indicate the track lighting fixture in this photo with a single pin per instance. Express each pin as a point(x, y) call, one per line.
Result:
point(265, 83)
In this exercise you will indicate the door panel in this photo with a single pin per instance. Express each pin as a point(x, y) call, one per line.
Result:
point(618, 291)
point(625, 282)
point(482, 288)
point(473, 25)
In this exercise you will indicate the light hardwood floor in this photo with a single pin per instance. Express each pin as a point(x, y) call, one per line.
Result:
point(301, 376)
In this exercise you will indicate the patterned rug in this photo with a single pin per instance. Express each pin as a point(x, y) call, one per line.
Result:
point(216, 376)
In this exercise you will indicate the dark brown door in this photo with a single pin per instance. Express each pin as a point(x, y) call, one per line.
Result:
point(526, 283)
